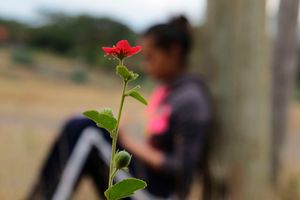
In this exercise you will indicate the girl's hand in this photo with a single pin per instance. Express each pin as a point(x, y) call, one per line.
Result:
point(123, 138)
point(128, 142)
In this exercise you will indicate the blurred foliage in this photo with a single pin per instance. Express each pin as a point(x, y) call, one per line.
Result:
point(18, 32)
point(22, 55)
point(74, 36)
point(79, 75)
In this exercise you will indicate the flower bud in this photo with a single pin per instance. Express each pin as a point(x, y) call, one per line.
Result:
point(122, 159)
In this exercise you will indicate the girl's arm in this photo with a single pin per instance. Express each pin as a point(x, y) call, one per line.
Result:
point(142, 151)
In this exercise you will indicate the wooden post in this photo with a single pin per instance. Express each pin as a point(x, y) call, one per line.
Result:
point(240, 80)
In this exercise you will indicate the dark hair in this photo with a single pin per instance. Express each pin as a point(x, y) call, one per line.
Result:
point(175, 32)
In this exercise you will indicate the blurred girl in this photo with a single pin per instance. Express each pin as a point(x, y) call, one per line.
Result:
point(179, 121)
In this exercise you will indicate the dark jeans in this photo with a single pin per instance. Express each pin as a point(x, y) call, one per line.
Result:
point(81, 149)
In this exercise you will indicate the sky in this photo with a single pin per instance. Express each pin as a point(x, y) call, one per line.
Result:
point(138, 14)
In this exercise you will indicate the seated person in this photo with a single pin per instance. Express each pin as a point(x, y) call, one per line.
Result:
point(177, 132)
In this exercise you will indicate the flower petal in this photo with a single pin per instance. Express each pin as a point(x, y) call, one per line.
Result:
point(134, 50)
point(109, 50)
point(123, 44)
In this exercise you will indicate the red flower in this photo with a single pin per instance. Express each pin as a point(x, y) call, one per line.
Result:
point(121, 50)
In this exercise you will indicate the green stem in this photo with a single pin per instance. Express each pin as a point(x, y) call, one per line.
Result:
point(115, 137)
point(114, 173)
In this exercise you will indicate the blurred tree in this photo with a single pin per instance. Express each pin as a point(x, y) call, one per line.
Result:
point(284, 75)
point(238, 58)
point(17, 32)
point(79, 36)
point(4, 34)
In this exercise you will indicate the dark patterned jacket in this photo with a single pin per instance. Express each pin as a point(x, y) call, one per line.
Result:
point(179, 125)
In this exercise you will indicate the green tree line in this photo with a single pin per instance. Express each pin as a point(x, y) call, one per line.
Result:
point(74, 36)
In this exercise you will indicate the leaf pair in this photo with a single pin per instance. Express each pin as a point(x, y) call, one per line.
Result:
point(124, 188)
point(127, 75)
point(103, 118)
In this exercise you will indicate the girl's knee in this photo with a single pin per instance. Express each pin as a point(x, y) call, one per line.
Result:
point(75, 125)
point(78, 122)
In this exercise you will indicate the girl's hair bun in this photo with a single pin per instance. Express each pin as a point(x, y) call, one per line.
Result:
point(177, 31)
point(181, 22)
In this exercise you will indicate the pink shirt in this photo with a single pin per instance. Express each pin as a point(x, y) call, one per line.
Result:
point(158, 113)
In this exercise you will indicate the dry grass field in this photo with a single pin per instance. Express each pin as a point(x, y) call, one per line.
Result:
point(35, 102)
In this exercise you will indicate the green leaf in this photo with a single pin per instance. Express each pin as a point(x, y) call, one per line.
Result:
point(127, 75)
point(104, 118)
point(107, 122)
point(124, 188)
point(135, 94)
point(92, 114)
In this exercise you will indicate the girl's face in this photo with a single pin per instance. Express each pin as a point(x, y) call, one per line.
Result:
point(160, 64)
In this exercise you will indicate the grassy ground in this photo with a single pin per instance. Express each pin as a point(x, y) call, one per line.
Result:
point(35, 100)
